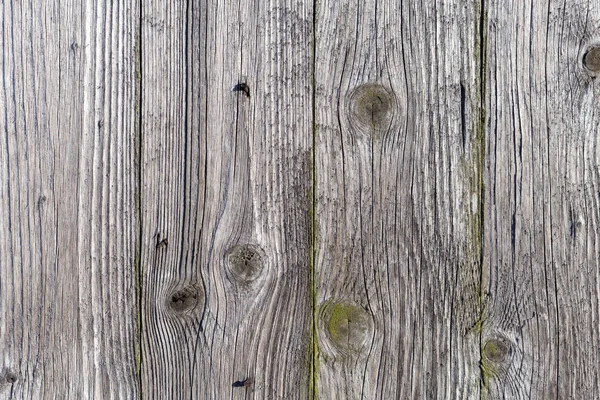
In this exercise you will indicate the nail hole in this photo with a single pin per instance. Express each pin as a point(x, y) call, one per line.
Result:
point(248, 382)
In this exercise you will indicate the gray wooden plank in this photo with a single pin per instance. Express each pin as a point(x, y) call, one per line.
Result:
point(541, 336)
point(399, 167)
point(226, 181)
point(68, 227)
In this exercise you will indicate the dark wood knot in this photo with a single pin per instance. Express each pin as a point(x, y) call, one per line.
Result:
point(591, 59)
point(372, 108)
point(497, 349)
point(185, 298)
point(8, 377)
point(245, 263)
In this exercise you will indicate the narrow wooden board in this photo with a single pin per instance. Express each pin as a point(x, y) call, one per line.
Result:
point(398, 165)
point(542, 226)
point(225, 198)
point(67, 211)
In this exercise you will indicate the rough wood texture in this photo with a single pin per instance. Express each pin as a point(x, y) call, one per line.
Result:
point(293, 199)
point(542, 197)
point(226, 181)
point(68, 225)
point(398, 165)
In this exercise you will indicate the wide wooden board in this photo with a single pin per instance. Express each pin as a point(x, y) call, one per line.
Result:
point(68, 180)
point(225, 199)
point(398, 162)
point(542, 198)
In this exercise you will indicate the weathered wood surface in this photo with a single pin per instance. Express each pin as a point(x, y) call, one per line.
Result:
point(225, 179)
point(542, 202)
point(68, 226)
point(405, 204)
point(398, 164)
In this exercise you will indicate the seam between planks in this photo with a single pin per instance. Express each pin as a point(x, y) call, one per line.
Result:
point(138, 267)
point(313, 379)
point(481, 154)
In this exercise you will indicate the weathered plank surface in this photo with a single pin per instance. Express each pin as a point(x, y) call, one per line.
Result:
point(398, 167)
point(542, 196)
point(226, 181)
point(68, 226)
point(402, 201)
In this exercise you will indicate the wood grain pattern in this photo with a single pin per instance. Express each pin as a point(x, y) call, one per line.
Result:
point(293, 199)
point(68, 225)
point(399, 168)
point(542, 201)
point(226, 180)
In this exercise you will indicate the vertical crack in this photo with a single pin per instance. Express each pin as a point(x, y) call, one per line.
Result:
point(313, 219)
point(138, 203)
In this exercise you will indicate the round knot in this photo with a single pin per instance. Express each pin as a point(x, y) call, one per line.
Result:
point(496, 349)
point(591, 59)
point(185, 298)
point(245, 263)
point(371, 108)
point(347, 327)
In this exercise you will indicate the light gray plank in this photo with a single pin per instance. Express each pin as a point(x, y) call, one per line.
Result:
point(226, 180)
point(399, 164)
point(68, 227)
point(542, 201)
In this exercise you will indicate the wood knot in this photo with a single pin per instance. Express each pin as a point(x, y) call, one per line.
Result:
point(497, 349)
point(371, 108)
point(245, 263)
point(347, 327)
point(8, 377)
point(591, 59)
point(185, 298)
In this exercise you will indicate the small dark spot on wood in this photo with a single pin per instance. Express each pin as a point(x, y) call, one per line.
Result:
point(242, 87)
point(591, 59)
point(41, 201)
point(496, 349)
point(184, 299)
point(248, 382)
point(9, 377)
point(161, 243)
point(74, 46)
point(100, 123)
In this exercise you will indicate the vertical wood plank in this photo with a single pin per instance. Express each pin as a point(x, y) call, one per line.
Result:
point(399, 169)
point(542, 245)
point(67, 188)
point(225, 199)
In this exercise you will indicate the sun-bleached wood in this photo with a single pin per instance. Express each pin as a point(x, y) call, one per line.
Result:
point(68, 226)
point(225, 198)
point(292, 199)
point(542, 196)
point(398, 162)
